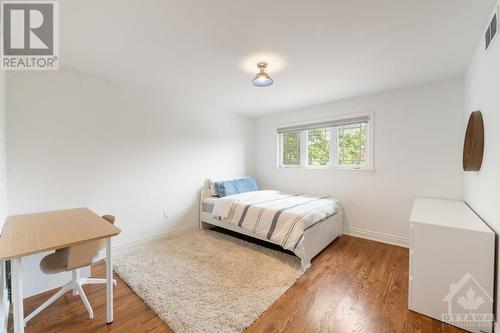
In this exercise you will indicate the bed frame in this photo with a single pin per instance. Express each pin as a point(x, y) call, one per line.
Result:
point(316, 238)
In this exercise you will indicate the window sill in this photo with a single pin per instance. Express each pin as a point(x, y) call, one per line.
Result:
point(328, 168)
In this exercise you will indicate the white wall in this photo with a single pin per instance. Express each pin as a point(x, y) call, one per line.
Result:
point(482, 92)
point(418, 144)
point(3, 194)
point(75, 141)
point(3, 146)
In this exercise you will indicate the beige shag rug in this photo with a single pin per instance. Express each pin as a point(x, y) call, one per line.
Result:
point(206, 281)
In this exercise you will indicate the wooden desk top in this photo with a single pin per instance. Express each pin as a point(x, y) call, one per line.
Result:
point(32, 233)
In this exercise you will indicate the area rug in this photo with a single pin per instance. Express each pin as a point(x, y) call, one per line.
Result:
point(206, 281)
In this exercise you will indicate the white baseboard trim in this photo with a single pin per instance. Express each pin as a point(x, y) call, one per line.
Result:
point(142, 241)
point(377, 236)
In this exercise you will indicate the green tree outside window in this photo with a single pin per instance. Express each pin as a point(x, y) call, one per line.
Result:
point(291, 148)
point(351, 144)
point(319, 146)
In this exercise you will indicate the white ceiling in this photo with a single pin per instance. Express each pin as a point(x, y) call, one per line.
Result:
point(193, 52)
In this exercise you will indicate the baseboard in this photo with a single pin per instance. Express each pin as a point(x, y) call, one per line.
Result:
point(142, 241)
point(377, 236)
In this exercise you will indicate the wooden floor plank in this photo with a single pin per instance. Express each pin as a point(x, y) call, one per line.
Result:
point(354, 285)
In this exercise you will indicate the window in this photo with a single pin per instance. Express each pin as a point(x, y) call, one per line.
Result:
point(318, 146)
point(351, 144)
point(291, 151)
point(342, 143)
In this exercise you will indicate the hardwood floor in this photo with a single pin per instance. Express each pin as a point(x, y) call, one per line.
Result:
point(354, 285)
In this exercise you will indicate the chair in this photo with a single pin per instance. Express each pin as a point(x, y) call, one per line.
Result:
point(72, 259)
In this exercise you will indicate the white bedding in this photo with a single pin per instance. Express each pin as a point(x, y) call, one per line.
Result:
point(277, 216)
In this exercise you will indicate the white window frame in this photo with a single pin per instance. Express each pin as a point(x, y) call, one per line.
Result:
point(304, 154)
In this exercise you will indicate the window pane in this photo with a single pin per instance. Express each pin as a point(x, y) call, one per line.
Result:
point(291, 148)
point(318, 143)
point(351, 141)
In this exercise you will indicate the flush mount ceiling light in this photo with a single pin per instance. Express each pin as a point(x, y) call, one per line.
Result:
point(262, 79)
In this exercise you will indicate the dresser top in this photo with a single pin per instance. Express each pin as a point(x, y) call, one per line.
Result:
point(447, 213)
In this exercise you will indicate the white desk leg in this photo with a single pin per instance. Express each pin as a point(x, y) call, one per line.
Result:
point(109, 283)
point(17, 295)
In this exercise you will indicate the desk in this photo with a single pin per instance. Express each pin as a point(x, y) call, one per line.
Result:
point(28, 234)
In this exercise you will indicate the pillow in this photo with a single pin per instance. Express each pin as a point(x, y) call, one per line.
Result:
point(212, 181)
point(235, 186)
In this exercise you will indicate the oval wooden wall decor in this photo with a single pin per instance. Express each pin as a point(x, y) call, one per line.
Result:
point(474, 142)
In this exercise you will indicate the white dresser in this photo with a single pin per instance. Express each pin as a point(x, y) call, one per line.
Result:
point(452, 254)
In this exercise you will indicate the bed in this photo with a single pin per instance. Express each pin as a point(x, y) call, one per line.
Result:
point(300, 223)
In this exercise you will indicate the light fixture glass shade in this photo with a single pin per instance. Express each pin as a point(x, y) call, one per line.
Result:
point(262, 79)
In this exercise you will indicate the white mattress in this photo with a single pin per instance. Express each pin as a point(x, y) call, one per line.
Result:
point(208, 207)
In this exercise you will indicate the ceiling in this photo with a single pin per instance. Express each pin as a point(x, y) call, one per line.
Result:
point(199, 53)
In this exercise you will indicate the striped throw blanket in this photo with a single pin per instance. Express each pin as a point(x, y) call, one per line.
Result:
point(279, 217)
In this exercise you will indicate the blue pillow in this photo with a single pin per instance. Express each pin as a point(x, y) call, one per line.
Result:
point(235, 186)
